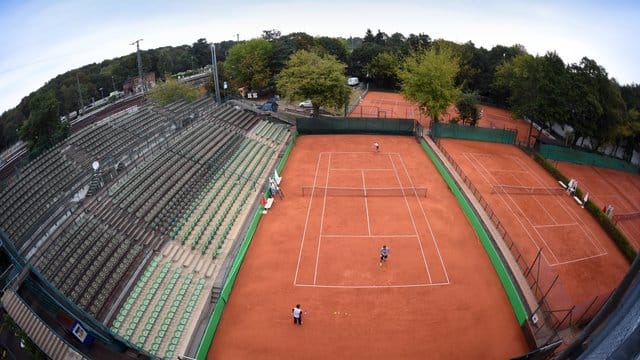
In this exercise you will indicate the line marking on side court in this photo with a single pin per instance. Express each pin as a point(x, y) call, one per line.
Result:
point(571, 210)
point(568, 210)
point(324, 206)
point(482, 171)
point(556, 225)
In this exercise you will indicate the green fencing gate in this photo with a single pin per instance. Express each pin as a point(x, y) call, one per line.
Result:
point(344, 125)
point(554, 152)
point(445, 130)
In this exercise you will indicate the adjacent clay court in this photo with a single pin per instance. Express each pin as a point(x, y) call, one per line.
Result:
point(437, 296)
point(392, 105)
point(573, 244)
point(611, 187)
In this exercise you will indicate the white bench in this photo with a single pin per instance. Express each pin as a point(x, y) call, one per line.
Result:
point(269, 203)
point(562, 184)
point(577, 200)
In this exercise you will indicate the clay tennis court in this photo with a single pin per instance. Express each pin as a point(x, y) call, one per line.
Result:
point(573, 244)
point(437, 296)
point(393, 105)
point(610, 187)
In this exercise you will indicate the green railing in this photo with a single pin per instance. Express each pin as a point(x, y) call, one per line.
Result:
point(512, 292)
point(212, 326)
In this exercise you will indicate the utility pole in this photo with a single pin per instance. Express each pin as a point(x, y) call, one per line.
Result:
point(79, 94)
point(113, 82)
point(214, 69)
point(144, 86)
point(237, 38)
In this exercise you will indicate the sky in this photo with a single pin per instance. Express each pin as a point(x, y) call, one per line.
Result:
point(41, 39)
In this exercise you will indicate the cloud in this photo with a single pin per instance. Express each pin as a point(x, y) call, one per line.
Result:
point(49, 38)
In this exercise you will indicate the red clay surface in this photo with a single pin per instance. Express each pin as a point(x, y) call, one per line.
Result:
point(437, 296)
point(573, 244)
point(392, 105)
point(610, 187)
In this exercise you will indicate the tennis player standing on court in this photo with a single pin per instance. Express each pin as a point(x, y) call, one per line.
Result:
point(297, 315)
point(384, 254)
point(376, 146)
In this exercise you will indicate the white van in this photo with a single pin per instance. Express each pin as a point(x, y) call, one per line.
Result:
point(353, 81)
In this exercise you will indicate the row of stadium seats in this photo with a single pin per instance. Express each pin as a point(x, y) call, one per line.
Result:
point(174, 170)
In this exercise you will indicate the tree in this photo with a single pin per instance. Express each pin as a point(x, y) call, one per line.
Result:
point(383, 69)
point(271, 35)
point(418, 42)
point(538, 88)
point(631, 95)
point(201, 53)
point(368, 37)
point(171, 91)
point(362, 57)
point(467, 106)
point(248, 64)
point(333, 46)
point(312, 76)
point(43, 127)
point(427, 79)
point(494, 90)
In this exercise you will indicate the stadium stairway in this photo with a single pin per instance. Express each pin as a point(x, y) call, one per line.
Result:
point(47, 340)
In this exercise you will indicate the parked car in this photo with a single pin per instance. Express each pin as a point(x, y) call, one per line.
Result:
point(306, 104)
point(269, 106)
point(353, 81)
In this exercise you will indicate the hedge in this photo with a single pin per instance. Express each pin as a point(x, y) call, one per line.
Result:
point(605, 222)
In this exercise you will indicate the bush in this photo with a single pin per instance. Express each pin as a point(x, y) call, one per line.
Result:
point(605, 222)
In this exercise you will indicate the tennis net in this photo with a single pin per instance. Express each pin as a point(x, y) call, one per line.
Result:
point(525, 190)
point(625, 216)
point(363, 192)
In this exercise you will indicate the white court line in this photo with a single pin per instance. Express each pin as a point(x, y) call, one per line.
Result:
point(426, 219)
point(476, 154)
point(324, 205)
point(306, 223)
point(515, 203)
point(415, 228)
point(366, 203)
point(579, 259)
point(367, 169)
point(372, 286)
point(572, 213)
point(370, 236)
point(555, 225)
point(488, 181)
point(356, 152)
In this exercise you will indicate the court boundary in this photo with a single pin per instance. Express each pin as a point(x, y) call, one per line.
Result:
point(601, 251)
point(390, 155)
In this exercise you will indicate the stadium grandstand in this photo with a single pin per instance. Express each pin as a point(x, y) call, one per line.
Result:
point(119, 236)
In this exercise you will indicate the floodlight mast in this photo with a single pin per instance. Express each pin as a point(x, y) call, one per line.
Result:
point(214, 69)
point(142, 83)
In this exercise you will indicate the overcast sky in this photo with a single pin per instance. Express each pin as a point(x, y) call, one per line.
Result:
point(42, 39)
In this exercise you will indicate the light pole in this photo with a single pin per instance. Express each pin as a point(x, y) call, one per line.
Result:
point(142, 84)
point(214, 69)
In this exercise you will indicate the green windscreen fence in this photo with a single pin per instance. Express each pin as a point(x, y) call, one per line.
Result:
point(444, 130)
point(554, 152)
point(343, 125)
